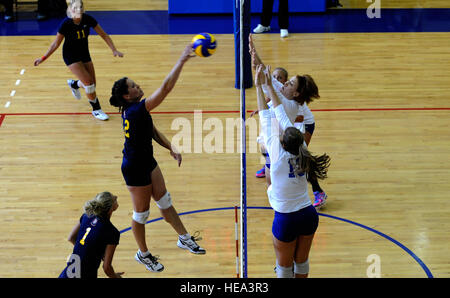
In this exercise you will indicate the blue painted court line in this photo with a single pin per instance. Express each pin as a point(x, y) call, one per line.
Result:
point(407, 250)
point(332, 21)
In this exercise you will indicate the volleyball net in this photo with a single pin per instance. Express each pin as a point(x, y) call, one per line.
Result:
point(242, 18)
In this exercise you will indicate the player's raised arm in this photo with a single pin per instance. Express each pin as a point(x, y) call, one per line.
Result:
point(169, 82)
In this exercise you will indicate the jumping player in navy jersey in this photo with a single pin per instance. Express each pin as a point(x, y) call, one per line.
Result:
point(296, 220)
point(74, 30)
point(140, 170)
point(95, 239)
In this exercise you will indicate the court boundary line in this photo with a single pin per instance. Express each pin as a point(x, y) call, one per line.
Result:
point(407, 250)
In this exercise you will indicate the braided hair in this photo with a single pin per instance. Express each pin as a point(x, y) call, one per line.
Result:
point(119, 89)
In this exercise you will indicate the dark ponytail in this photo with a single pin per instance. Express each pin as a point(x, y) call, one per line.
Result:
point(307, 88)
point(119, 89)
point(304, 162)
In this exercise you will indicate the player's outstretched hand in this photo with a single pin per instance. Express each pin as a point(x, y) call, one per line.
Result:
point(37, 61)
point(176, 156)
point(188, 53)
point(268, 75)
point(117, 53)
point(251, 45)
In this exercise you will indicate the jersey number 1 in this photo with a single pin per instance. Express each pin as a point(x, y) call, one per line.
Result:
point(292, 172)
point(85, 235)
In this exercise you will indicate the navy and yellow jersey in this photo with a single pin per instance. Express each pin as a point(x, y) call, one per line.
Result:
point(76, 47)
point(94, 235)
point(138, 129)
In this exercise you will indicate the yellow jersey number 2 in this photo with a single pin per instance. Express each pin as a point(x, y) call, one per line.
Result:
point(126, 127)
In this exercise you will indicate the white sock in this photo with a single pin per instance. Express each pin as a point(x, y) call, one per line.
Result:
point(144, 254)
point(185, 236)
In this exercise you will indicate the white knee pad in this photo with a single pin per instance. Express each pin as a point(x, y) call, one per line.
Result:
point(301, 268)
point(141, 217)
point(284, 272)
point(90, 89)
point(165, 202)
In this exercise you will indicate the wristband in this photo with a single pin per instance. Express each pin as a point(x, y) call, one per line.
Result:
point(43, 58)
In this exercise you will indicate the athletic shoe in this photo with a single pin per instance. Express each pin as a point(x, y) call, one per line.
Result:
point(284, 33)
point(75, 92)
point(99, 114)
point(191, 245)
point(260, 29)
point(320, 198)
point(150, 262)
point(261, 173)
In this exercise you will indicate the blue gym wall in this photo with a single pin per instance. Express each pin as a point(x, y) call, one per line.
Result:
point(226, 6)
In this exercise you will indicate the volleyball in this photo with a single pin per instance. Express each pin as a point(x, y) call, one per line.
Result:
point(204, 44)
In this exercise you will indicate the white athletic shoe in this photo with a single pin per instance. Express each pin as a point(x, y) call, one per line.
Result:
point(150, 262)
point(75, 92)
point(284, 33)
point(99, 114)
point(260, 29)
point(191, 245)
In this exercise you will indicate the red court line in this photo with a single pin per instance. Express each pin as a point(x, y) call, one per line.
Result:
point(2, 117)
point(381, 109)
point(117, 113)
point(233, 112)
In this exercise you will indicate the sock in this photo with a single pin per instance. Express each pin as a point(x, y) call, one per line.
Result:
point(185, 236)
point(95, 104)
point(74, 84)
point(144, 254)
point(315, 185)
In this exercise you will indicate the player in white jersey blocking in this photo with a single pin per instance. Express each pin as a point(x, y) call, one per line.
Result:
point(296, 220)
point(295, 95)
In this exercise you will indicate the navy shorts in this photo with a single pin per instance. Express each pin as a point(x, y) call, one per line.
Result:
point(138, 173)
point(73, 57)
point(310, 128)
point(287, 227)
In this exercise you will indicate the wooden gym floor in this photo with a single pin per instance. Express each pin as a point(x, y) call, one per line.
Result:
point(383, 117)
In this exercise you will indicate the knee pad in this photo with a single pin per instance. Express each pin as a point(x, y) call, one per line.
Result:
point(284, 272)
point(301, 268)
point(165, 202)
point(90, 89)
point(141, 217)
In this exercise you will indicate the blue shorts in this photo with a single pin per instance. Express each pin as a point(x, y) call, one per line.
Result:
point(310, 128)
point(287, 227)
point(138, 172)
